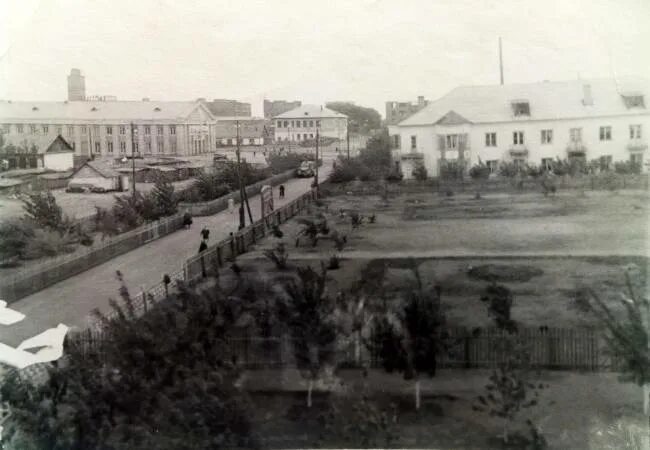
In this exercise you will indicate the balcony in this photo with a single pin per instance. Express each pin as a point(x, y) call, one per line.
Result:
point(518, 150)
point(637, 145)
point(575, 149)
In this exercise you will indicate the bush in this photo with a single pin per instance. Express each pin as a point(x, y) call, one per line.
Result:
point(627, 168)
point(452, 170)
point(164, 201)
point(499, 299)
point(48, 243)
point(395, 176)
point(420, 172)
point(207, 187)
point(43, 210)
point(509, 169)
point(278, 255)
point(287, 161)
point(334, 262)
point(344, 172)
point(479, 171)
point(14, 236)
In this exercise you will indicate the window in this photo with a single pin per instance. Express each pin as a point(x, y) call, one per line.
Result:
point(304, 124)
point(297, 124)
point(451, 142)
point(95, 130)
point(293, 124)
point(172, 129)
point(311, 135)
point(122, 129)
point(84, 130)
point(521, 109)
point(45, 128)
point(547, 163)
point(605, 162)
point(122, 147)
point(518, 137)
point(298, 136)
point(109, 147)
point(304, 136)
point(109, 130)
point(636, 158)
point(286, 123)
point(279, 124)
point(98, 147)
point(318, 123)
point(159, 129)
point(605, 133)
point(414, 142)
point(59, 130)
point(172, 146)
point(161, 147)
point(230, 141)
point(71, 130)
point(575, 134)
point(547, 136)
point(311, 123)
point(147, 147)
point(136, 147)
point(635, 131)
point(19, 128)
point(490, 139)
point(147, 129)
point(6, 128)
point(32, 129)
point(633, 101)
point(493, 165)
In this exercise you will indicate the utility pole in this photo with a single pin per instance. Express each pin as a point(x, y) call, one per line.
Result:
point(347, 130)
point(133, 159)
point(242, 216)
point(500, 61)
point(316, 173)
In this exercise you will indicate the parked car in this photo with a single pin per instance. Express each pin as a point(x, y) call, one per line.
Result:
point(305, 170)
point(97, 190)
point(76, 189)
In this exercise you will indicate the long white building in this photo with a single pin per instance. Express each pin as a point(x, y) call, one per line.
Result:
point(300, 124)
point(532, 123)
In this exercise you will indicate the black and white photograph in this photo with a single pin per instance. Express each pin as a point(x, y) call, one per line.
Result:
point(343, 224)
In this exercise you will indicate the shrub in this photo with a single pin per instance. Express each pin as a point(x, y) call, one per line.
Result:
point(164, 200)
point(207, 187)
point(278, 255)
point(287, 161)
point(14, 236)
point(479, 171)
point(627, 167)
point(48, 243)
point(127, 211)
point(395, 176)
point(509, 169)
point(334, 262)
point(45, 212)
point(420, 172)
point(499, 299)
point(452, 170)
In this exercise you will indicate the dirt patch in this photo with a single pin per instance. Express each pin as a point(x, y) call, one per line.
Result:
point(504, 273)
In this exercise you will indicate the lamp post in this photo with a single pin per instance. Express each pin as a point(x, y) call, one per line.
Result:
point(316, 174)
point(242, 216)
point(133, 157)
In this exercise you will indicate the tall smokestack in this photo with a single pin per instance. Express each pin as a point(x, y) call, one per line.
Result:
point(500, 61)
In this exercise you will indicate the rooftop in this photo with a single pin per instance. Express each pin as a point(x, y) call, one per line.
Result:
point(309, 111)
point(547, 100)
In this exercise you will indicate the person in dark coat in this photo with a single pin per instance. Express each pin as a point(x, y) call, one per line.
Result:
point(205, 233)
point(203, 247)
point(282, 191)
point(187, 220)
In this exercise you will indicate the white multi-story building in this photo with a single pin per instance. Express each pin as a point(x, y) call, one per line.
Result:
point(112, 129)
point(300, 124)
point(529, 123)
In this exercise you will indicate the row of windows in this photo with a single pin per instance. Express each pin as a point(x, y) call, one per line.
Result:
point(160, 147)
point(122, 129)
point(575, 135)
point(546, 137)
point(305, 136)
point(605, 161)
point(296, 123)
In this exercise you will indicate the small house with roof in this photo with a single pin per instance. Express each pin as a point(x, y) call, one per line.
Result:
point(46, 153)
point(97, 174)
point(300, 124)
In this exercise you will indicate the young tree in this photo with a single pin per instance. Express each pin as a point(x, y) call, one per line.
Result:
point(308, 314)
point(43, 210)
point(499, 299)
point(164, 200)
point(511, 389)
point(164, 380)
point(409, 340)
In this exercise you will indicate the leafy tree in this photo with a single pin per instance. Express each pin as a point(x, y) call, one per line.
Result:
point(499, 299)
point(360, 119)
point(511, 389)
point(128, 211)
point(409, 340)
point(452, 170)
point(377, 154)
point(14, 237)
point(286, 161)
point(164, 381)
point(420, 172)
point(164, 200)
point(43, 210)
point(210, 186)
point(308, 314)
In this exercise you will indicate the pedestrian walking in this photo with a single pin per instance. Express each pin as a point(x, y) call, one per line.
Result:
point(231, 205)
point(205, 234)
point(203, 247)
point(282, 191)
point(187, 220)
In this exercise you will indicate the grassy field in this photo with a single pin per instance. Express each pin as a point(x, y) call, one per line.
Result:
point(599, 222)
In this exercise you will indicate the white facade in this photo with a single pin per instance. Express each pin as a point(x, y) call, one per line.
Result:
point(59, 162)
point(458, 131)
point(302, 123)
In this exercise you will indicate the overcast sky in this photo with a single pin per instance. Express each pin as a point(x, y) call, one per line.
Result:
point(367, 51)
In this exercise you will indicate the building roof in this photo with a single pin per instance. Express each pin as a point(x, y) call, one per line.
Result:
point(307, 111)
point(547, 100)
point(44, 144)
point(103, 168)
point(90, 110)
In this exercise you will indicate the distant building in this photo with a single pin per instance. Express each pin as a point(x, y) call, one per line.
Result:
point(45, 153)
point(398, 111)
point(228, 108)
point(300, 124)
point(76, 86)
point(101, 98)
point(532, 123)
point(252, 131)
point(274, 108)
point(103, 129)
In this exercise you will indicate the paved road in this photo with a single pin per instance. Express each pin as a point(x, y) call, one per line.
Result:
point(71, 300)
